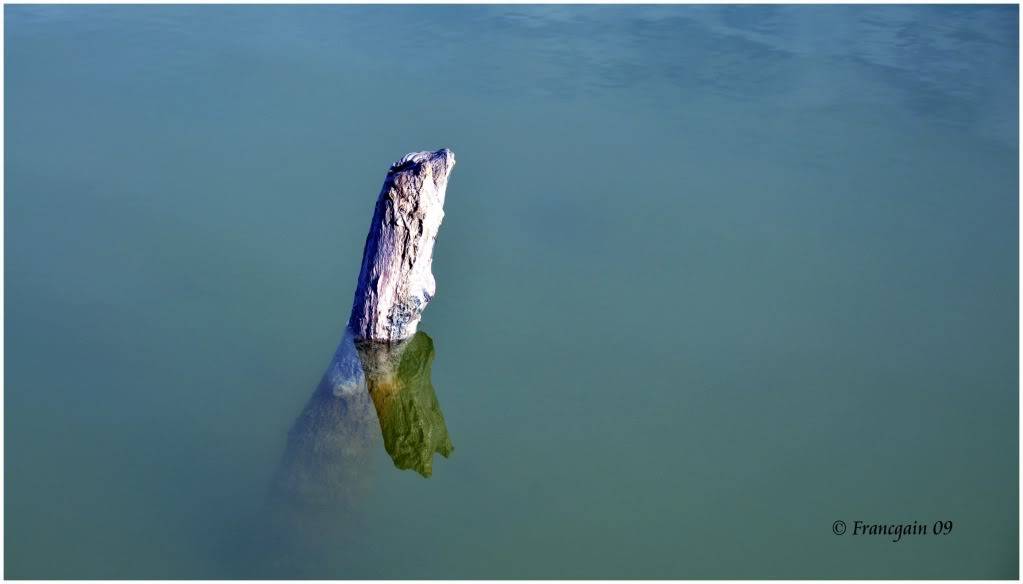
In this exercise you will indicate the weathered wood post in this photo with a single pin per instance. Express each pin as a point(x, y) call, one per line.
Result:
point(378, 381)
point(396, 281)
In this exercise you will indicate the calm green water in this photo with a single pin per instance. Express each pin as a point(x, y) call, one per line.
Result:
point(710, 279)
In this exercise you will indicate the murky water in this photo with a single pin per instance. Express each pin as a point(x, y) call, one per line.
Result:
point(710, 279)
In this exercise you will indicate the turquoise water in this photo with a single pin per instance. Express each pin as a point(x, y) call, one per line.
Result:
point(710, 279)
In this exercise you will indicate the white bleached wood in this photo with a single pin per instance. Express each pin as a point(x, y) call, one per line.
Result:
point(396, 281)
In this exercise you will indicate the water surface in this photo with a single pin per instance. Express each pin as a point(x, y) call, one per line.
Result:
point(710, 279)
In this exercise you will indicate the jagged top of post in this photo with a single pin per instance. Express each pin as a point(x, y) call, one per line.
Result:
point(442, 160)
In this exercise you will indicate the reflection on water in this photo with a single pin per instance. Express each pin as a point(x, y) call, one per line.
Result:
point(368, 391)
point(401, 387)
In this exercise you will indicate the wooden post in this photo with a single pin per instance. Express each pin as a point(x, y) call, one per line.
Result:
point(396, 281)
point(378, 382)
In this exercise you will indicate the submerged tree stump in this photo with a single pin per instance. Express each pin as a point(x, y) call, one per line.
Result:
point(396, 281)
point(378, 381)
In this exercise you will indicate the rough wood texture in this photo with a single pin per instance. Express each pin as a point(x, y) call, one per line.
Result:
point(396, 281)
